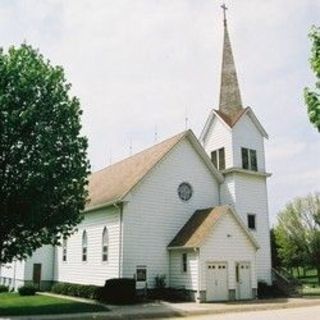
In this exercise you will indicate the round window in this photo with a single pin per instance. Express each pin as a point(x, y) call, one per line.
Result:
point(185, 191)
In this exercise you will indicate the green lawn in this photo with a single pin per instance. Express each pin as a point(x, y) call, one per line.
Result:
point(307, 291)
point(309, 279)
point(13, 304)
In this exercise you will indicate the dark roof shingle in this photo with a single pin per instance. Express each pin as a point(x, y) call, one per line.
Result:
point(115, 181)
point(198, 227)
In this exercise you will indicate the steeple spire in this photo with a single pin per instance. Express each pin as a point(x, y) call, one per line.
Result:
point(230, 99)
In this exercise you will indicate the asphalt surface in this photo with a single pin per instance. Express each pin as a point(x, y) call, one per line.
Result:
point(304, 313)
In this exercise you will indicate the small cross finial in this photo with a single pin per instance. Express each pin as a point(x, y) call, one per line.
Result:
point(224, 8)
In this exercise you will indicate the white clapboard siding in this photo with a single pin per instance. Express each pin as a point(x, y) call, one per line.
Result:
point(94, 271)
point(245, 134)
point(180, 279)
point(155, 214)
point(247, 193)
point(227, 243)
point(227, 190)
point(251, 197)
point(12, 274)
point(44, 256)
point(219, 136)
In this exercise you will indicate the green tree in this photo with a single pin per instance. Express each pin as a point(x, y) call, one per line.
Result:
point(298, 233)
point(43, 157)
point(275, 258)
point(312, 96)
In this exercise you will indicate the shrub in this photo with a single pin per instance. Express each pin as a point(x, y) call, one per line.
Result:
point(4, 288)
point(169, 294)
point(265, 291)
point(119, 291)
point(76, 290)
point(58, 288)
point(160, 281)
point(27, 290)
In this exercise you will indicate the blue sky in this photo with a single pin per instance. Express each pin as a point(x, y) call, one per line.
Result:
point(137, 65)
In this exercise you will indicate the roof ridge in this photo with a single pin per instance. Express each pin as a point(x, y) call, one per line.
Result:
point(231, 121)
point(114, 182)
point(182, 133)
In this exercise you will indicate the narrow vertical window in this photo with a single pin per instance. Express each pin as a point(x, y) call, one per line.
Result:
point(64, 250)
point(252, 221)
point(184, 262)
point(222, 161)
point(253, 160)
point(249, 159)
point(245, 158)
point(105, 244)
point(84, 245)
point(237, 273)
point(218, 159)
point(214, 158)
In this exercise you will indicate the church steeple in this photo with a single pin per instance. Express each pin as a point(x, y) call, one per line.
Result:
point(230, 99)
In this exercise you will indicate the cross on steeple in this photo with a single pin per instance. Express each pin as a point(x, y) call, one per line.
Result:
point(224, 8)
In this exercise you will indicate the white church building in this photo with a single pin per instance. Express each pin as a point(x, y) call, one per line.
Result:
point(193, 210)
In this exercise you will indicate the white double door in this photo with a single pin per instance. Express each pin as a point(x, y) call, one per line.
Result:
point(217, 281)
point(243, 277)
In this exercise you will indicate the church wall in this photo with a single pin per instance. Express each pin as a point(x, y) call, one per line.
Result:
point(12, 274)
point(227, 191)
point(44, 256)
point(184, 280)
point(251, 197)
point(219, 247)
point(94, 271)
point(245, 134)
point(219, 136)
point(155, 213)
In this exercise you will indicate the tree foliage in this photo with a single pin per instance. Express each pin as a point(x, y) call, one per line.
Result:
point(275, 258)
point(43, 157)
point(312, 96)
point(298, 232)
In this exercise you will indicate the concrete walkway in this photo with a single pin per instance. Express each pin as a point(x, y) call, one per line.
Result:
point(165, 310)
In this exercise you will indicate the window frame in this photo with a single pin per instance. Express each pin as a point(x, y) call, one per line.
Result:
point(184, 262)
point(237, 272)
point(84, 251)
point(64, 250)
point(141, 270)
point(218, 158)
point(105, 245)
point(214, 158)
point(181, 195)
point(250, 155)
point(254, 216)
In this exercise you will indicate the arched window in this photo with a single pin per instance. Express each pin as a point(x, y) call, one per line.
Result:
point(105, 244)
point(84, 245)
point(64, 250)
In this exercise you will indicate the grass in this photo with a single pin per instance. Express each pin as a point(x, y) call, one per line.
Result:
point(13, 304)
point(309, 279)
point(307, 291)
point(309, 274)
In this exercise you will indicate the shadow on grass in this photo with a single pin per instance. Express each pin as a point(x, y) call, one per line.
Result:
point(52, 308)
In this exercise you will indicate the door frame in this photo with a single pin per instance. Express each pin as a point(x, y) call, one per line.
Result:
point(37, 284)
point(238, 283)
point(227, 282)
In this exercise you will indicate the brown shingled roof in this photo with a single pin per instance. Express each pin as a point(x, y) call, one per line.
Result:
point(231, 121)
point(115, 181)
point(201, 223)
point(197, 228)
